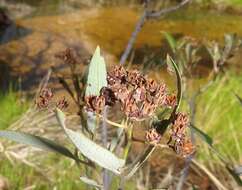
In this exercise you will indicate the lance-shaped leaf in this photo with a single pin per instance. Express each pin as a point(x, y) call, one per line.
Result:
point(90, 149)
point(171, 41)
point(91, 182)
point(36, 141)
point(173, 67)
point(97, 78)
point(97, 74)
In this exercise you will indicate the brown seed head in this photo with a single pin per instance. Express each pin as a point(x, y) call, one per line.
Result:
point(152, 136)
point(62, 104)
point(95, 103)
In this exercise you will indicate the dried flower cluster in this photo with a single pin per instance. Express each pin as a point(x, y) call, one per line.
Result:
point(152, 136)
point(182, 145)
point(139, 96)
point(45, 100)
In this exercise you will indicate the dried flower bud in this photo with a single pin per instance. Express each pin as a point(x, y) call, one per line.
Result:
point(160, 96)
point(151, 85)
point(95, 103)
point(42, 103)
point(188, 148)
point(134, 77)
point(184, 147)
point(117, 74)
point(44, 98)
point(152, 136)
point(46, 93)
point(139, 94)
point(122, 94)
point(130, 108)
point(170, 100)
point(62, 104)
point(182, 120)
point(148, 109)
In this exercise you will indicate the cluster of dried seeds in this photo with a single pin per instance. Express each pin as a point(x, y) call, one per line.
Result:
point(152, 136)
point(139, 96)
point(182, 145)
point(45, 100)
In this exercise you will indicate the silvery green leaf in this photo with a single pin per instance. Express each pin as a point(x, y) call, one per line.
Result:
point(91, 122)
point(36, 141)
point(91, 182)
point(97, 74)
point(90, 149)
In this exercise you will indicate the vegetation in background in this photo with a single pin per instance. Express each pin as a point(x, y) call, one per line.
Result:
point(213, 111)
point(219, 114)
point(11, 108)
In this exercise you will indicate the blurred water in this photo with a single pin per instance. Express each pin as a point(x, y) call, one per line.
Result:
point(29, 44)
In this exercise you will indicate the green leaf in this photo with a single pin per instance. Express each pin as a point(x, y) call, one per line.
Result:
point(97, 74)
point(90, 149)
point(171, 41)
point(91, 182)
point(172, 66)
point(202, 135)
point(36, 141)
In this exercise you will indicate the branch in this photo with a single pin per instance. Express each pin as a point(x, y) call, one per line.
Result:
point(133, 37)
point(146, 15)
point(168, 10)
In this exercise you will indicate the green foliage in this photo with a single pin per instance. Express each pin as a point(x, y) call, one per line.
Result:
point(10, 108)
point(219, 114)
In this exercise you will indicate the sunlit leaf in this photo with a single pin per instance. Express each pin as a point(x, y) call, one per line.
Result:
point(90, 149)
point(171, 41)
point(202, 135)
point(97, 78)
point(91, 182)
point(172, 66)
point(36, 141)
point(97, 74)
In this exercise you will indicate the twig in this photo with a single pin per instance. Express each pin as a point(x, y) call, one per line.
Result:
point(133, 37)
point(146, 15)
point(168, 10)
